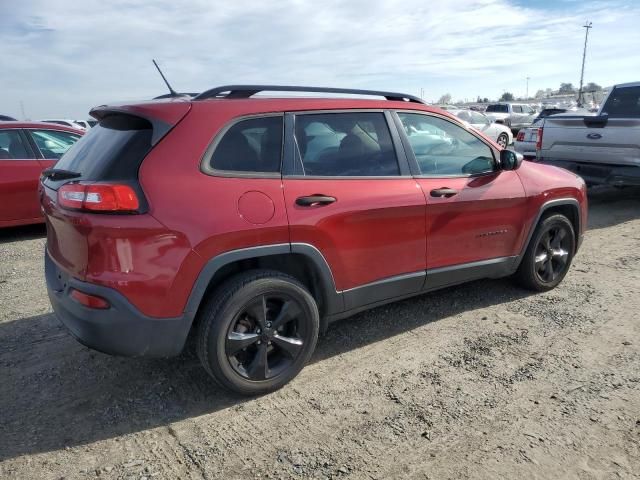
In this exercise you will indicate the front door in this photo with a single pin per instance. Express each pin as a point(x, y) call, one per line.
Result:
point(475, 211)
point(352, 198)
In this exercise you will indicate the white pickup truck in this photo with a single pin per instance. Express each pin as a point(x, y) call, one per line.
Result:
point(602, 149)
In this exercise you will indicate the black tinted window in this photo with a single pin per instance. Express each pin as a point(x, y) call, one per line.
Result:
point(345, 144)
point(113, 149)
point(623, 102)
point(498, 108)
point(12, 147)
point(445, 149)
point(252, 145)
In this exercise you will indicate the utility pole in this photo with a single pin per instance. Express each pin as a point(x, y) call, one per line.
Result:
point(527, 97)
point(587, 26)
point(24, 116)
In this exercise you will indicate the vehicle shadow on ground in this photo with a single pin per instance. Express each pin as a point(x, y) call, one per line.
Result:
point(27, 232)
point(609, 206)
point(56, 393)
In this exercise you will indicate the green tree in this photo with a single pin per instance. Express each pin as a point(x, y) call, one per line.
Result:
point(444, 99)
point(592, 87)
point(540, 94)
point(506, 97)
point(566, 88)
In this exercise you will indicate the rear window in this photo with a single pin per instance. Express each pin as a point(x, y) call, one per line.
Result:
point(623, 102)
point(498, 108)
point(547, 112)
point(112, 150)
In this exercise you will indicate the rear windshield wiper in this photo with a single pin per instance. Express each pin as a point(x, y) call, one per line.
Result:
point(59, 174)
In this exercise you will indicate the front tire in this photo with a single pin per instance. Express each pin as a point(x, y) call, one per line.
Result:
point(257, 332)
point(549, 254)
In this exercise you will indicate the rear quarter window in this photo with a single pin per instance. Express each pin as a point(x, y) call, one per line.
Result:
point(252, 145)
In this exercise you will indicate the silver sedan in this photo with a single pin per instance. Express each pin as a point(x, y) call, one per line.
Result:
point(495, 131)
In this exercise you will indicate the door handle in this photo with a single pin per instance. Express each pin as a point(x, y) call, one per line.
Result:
point(444, 192)
point(316, 199)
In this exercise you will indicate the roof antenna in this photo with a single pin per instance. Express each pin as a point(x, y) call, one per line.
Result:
point(173, 92)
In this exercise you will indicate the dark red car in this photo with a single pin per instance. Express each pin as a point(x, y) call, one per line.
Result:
point(27, 148)
point(257, 221)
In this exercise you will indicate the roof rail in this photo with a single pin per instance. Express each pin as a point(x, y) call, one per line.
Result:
point(246, 91)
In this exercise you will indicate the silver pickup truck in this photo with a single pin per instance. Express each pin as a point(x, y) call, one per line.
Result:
point(602, 149)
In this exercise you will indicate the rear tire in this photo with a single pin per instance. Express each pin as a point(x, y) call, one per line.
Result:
point(257, 331)
point(549, 254)
point(503, 140)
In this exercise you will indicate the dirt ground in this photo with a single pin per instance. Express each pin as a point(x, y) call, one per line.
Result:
point(479, 381)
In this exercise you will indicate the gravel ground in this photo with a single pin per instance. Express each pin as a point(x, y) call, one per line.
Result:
point(479, 381)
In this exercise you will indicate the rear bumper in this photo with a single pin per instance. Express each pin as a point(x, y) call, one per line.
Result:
point(600, 173)
point(120, 329)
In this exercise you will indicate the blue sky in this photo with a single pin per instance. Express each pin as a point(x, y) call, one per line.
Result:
point(61, 58)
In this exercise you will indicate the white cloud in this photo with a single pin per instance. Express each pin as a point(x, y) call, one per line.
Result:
point(63, 59)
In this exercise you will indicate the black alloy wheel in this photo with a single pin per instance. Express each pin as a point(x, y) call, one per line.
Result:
point(552, 253)
point(549, 254)
point(266, 337)
point(257, 331)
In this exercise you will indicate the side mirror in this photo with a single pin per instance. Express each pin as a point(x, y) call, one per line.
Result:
point(510, 160)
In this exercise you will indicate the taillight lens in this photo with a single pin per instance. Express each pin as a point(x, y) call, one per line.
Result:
point(539, 140)
point(98, 197)
point(520, 136)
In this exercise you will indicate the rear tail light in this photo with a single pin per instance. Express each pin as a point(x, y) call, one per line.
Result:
point(520, 136)
point(98, 197)
point(539, 139)
point(91, 301)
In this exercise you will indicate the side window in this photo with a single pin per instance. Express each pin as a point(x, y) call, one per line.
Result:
point(251, 145)
point(442, 148)
point(12, 146)
point(345, 145)
point(53, 143)
point(517, 109)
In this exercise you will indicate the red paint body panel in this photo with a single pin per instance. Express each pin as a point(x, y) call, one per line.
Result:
point(483, 221)
point(19, 204)
point(374, 230)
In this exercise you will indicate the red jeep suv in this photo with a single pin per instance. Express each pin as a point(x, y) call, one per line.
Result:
point(256, 221)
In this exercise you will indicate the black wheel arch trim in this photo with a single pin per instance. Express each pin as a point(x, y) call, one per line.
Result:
point(558, 202)
point(332, 299)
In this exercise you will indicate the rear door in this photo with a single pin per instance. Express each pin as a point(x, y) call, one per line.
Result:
point(350, 195)
point(475, 211)
point(19, 174)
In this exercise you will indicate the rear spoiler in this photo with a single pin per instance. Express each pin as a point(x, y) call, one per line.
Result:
point(163, 116)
